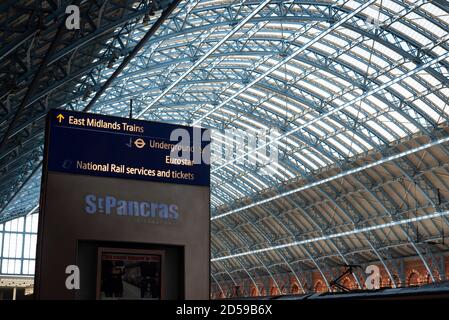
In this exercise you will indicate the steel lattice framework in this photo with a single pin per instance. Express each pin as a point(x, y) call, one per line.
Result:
point(358, 91)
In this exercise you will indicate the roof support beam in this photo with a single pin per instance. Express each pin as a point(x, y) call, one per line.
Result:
point(20, 188)
point(260, 231)
point(338, 176)
point(224, 243)
point(204, 57)
point(35, 82)
point(256, 256)
point(412, 243)
point(387, 270)
point(287, 59)
point(325, 115)
point(164, 16)
point(218, 284)
point(337, 235)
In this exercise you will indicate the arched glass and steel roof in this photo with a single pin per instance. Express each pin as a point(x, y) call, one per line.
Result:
point(350, 90)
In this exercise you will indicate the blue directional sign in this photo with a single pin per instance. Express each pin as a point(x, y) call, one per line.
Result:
point(99, 145)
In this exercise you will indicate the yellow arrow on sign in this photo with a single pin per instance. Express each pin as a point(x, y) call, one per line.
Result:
point(60, 117)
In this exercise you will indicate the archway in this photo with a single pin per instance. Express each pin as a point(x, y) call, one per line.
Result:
point(413, 279)
point(254, 292)
point(295, 289)
point(348, 283)
point(319, 287)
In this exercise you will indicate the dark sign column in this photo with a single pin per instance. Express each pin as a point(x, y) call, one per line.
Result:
point(127, 205)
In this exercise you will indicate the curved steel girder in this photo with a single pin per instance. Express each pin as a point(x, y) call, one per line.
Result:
point(302, 100)
point(262, 232)
point(187, 103)
point(229, 275)
point(395, 109)
point(380, 202)
point(367, 239)
point(412, 243)
point(224, 243)
point(399, 165)
point(6, 137)
point(320, 271)
point(297, 278)
point(349, 168)
point(401, 49)
point(361, 84)
point(11, 175)
point(234, 176)
point(328, 67)
point(371, 34)
point(434, 205)
point(243, 241)
point(322, 116)
point(113, 25)
point(9, 48)
point(28, 177)
point(372, 187)
point(342, 165)
point(397, 244)
point(313, 221)
point(332, 242)
point(404, 115)
point(39, 116)
point(80, 42)
point(438, 178)
point(29, 196)
point(342, 210)
point(285, 227)
point(21, 160)
point(99, 31)
point(218, 284)
point(315, 145)
point(387, 270)
point(27, 140)
point(382, 38)
point(17, 173)
point(367, 249)
point(252, 279)
point(405, 174)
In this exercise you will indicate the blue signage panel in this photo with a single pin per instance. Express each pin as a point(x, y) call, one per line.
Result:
point(99, 145)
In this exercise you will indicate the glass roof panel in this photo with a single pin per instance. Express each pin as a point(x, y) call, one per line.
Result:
point(348, 63)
